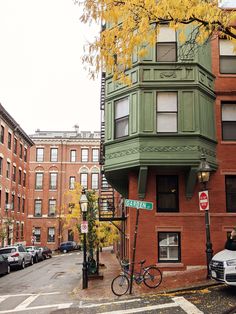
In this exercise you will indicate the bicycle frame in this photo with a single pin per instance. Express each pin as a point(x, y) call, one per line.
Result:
point(138, 275)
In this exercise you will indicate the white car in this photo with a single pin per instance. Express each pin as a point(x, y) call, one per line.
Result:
point(17, 256)
point(223, 267)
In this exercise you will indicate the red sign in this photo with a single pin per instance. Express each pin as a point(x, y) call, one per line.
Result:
point(203, 200)
point(84, 227)
point(33, 239)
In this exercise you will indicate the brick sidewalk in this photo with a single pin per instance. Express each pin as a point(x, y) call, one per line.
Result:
point(172, 281)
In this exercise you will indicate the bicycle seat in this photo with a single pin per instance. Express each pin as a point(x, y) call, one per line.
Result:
point(142, 261)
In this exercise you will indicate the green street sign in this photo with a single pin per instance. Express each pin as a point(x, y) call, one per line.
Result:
point(139, 204)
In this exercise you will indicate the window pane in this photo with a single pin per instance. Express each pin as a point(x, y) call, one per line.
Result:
point(85, 154)
point(173, 253)
point(166, 52)
point(95, 154)
point(226, 48)
point(229, 131)
point(167, 193)
point(94, 180)
point(228, 64)
point(229, 112)
point(54, 154)
point(121, 127)
point(39, 154)
point(84, 180)
point(53, 181)
point(166, 34)
point(166, 122)
point(72, 183)
point(73, 155)
point(121, 108)
point(230, 182)
point(168, 246)
point(167, 101)
point(39, 181)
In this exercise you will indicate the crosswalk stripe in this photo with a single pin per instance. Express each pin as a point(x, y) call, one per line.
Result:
point(187, 306)
point(26, 302)
point(3, 298)
point(59, 306)
point(108, 303)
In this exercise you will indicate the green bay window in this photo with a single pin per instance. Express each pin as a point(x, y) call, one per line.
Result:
point(166, 46)
point(122, 117)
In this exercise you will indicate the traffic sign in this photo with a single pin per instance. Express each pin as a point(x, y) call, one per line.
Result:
point(203, 200)
point(84, 227)
point(139, 204)
point(33, 239)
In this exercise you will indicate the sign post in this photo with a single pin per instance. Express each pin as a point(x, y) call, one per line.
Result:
point(138, 205)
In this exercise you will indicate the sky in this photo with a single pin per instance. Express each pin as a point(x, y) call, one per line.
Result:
point(43, 84)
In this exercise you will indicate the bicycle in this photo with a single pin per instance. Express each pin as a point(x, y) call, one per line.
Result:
point(150, 275)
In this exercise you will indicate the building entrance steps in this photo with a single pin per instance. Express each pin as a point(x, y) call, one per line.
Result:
point(191, 278)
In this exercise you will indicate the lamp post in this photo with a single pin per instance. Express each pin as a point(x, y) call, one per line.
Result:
point(203, 173)
point(84, 207)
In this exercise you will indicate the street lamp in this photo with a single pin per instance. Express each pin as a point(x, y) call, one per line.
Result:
point(84, 207)
point(203, 173)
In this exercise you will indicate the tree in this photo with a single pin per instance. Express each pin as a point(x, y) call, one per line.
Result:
point(141, 21)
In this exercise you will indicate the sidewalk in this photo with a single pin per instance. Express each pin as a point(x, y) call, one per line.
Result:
point(171, 282)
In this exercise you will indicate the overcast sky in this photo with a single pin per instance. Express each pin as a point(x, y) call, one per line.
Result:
point(42, 81)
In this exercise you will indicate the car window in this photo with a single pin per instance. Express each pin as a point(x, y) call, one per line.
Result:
point(7, 250)
point(1, 258)
point(21, 249)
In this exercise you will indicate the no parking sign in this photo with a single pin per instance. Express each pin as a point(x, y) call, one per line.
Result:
point(84, 227)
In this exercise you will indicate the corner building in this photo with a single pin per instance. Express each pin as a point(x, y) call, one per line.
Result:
point(14, 173)
point(178, 107)
point(58, 160)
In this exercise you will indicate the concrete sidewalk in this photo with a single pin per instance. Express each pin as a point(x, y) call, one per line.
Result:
point(193, 278)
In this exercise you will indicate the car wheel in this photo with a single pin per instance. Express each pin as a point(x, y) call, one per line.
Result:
point(23, 264)
point(32, 261)
point(36, 258)
point(64, 251)
point(50, 256)
point(44, 256)
point(8, 269)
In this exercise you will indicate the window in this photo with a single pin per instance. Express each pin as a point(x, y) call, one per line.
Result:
point(53, 154)
point(122, 117)
point(7, 205)
point(23, 205)
point(52, 207)
point(37, 233)
point(95, 155)
point(70, 235)
point(51, 234)
point(84, 180)
point(230, 190)
point(13, 202)
point(9, 140)
point(53, 181)
point(22, 231)
point(169, 247)
point(167, 194)
point(229, 121)
point(25, 154)
point(18, 203)
point(167, 112)
point(8, 169)
point(2, 134)
point(166, 48)
point(37, 208)
point(1, 165)
point(39, 181)
point(95, 181)
point(15, 146)
point(227, 57)
point(24, 179)
point(72, 183)
point(14, 173)
point(17, 230)
point(73, 155)
point(84, 153)
point(21, 151)
point(20, 176)
point(39, 154)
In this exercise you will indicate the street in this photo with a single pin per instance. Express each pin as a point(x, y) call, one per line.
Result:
point(47, 287)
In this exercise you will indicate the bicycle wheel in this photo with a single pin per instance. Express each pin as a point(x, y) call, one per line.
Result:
point(152, 277)
point(120, 285)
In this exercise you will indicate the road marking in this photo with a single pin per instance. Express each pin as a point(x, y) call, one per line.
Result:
point(187, 306)
point(27, 294)
point(107, 303)
point(3, 298)
point(59, 306)
point(26, 302)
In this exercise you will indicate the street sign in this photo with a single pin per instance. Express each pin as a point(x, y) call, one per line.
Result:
point(203, 200)
point(139, 204)
point(84, 227)
point(33, 239)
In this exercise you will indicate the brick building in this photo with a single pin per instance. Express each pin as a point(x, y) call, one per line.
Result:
point(180, 105)
point(58, 160)
point(14, 172)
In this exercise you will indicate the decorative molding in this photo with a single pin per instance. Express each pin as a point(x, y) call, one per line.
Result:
point(168, 74)
point(160, 149)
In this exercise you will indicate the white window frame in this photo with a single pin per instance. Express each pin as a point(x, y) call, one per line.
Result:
point(164, 113)
point(168, 247)
point(121, 109)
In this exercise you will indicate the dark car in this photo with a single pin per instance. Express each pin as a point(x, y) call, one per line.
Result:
point(46, 252)
point(67, 246)
point(4, 265)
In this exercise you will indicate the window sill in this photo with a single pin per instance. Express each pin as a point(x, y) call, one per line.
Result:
point(170, 264)
point(228, 142)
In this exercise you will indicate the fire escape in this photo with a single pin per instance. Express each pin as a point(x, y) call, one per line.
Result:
point(110, 208)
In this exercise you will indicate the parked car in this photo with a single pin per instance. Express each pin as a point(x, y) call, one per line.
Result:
point(17, 256)
point(46, 252)
point(223, 266)
point(4, 265)
point(67, 246)
point(35, 252)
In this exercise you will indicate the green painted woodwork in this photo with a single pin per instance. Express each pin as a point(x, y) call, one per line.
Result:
point(133, 113)
point(142, 181)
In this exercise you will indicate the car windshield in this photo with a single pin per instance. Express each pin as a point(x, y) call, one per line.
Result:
point(7, 250)
point(29, 248)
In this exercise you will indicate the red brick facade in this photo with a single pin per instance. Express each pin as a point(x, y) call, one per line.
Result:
point(67, 165)
point(14, 172)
